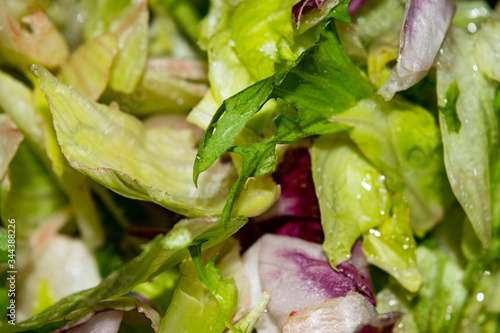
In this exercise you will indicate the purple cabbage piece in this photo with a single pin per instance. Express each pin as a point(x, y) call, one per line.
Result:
point(296, 213)
point(298, 197)
point(309, 230)
point(424, 28)
point(298, 275)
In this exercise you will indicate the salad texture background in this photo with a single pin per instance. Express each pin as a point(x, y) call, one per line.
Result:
point(250, 166)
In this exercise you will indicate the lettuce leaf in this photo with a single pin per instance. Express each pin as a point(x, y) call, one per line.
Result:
point(31, 38)
point(118, 151)
point(11, 138)
point(438, 305)
point(163, 252)
point(469, 170)
point(352, 194)
point(167, 85)
point(128, 21)
point(29, 193)
point(29, 110)
point(322, 82)
point(401, 139)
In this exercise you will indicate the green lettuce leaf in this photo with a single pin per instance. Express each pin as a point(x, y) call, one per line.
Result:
point(118, 151)
point(209, 304)
point(162, 253)
point(471, 169)
point(352, 194)
point(87, 70)
point(438, 305)
point(449, 110)
point(321, 83)
point(29, 110)
point(391, 246)
point(381, 53)
point(135, 314)
point(487, 47)
point(168, 85)
point(128, 21)
point(471, 14)
point(401, 139)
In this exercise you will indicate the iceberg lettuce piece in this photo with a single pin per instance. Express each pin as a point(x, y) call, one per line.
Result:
point(320, 83)
point(237, 35)
point(193, 307)
point(401, 139)
point(352, 194)
point(128, 21)
point(118, 151)
point(305, 19)
point(207, 295)
point(482, 309)
point(168, 85)
point(381, 53)
point(165, 36)
point(438, 305)
point(18, 101)
point(10, 140)
point(391, 246)
point(87, 70)
point(31, 38)
point(31, 113)
point(469, 170)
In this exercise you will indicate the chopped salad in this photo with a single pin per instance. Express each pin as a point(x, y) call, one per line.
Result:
point(249, 166)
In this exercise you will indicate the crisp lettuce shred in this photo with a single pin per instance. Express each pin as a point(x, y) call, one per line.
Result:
point(250, 166)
